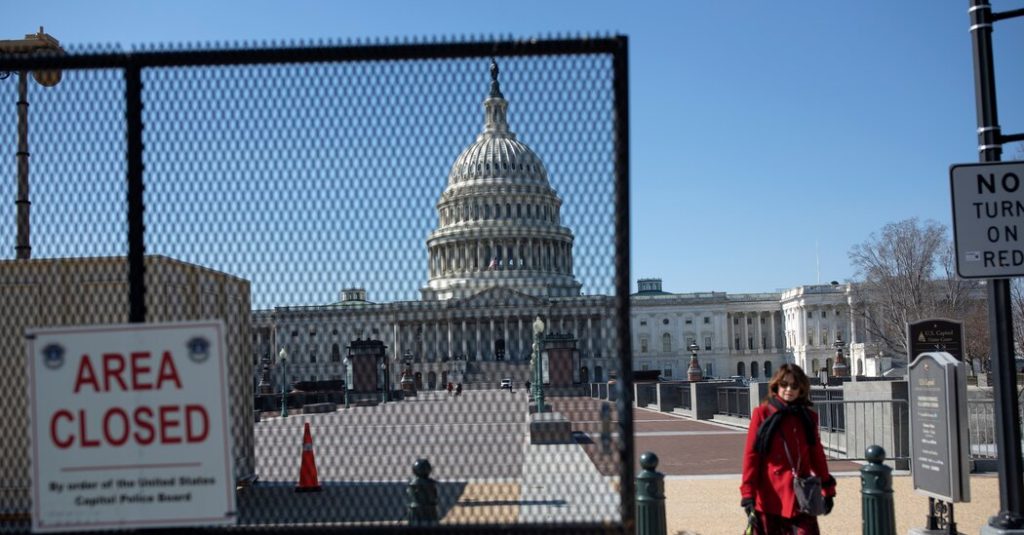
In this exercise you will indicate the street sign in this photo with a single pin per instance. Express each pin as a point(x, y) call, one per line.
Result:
point(934, 335)
point(129, 427)
point(988, 219)
point(938, 427)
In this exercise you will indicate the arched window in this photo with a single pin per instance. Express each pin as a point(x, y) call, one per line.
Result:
point(335, 353)
point(767, 369)
point(741, 369)
point(828, 365)
point(497, 211)
point(753, 369)
point(508, 210)
point(814, 366)
point(666, 343)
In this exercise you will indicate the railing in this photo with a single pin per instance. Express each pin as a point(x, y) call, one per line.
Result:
point(684, 397)
point(734, 401)
point(848, 427)
point(981, 419)
point(646, 394)
point(830, 417)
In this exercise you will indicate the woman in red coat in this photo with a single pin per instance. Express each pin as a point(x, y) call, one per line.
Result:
point(784, 421)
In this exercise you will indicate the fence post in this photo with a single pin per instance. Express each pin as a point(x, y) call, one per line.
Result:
point(422, 494)
point(877, 512)
point(650, 497)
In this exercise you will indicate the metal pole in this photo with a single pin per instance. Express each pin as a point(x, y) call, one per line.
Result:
point(650, 497)
point(284, 387)
point(22, 247)
point(136, 227)
point(1007, 414)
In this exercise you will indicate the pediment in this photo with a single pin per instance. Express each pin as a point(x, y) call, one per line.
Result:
point(499, 297)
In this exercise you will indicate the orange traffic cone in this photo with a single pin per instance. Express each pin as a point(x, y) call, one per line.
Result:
point(307, 472)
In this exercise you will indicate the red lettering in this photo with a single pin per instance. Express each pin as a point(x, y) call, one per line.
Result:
point(115, 441)
point(62, 444)
point(86, 375)
point(146, 424)
point(167, 371)
point(113, 366)
point(86, 443)
point(191, 433)
point(167, 423)
point(139, 369)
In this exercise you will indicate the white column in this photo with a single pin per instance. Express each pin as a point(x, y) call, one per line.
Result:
point(508, 346)
point(449, 348)
point(759, 335)
point(490, 342)
point(478, 354)
point(773, 341)
point(464, 349)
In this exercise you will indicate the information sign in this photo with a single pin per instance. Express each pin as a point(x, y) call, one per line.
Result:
point(129, 427)
point(938, 427)
point(988, 212)
point(937, 334)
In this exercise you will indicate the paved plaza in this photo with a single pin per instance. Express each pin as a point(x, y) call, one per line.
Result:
point(488, 472)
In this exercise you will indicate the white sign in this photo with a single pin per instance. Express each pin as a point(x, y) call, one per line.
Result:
point(988, 219)
point(130, 426)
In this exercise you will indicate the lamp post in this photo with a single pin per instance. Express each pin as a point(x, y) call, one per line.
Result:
point(348, 378)
point(839, 367)
point(693, 373)
point(538, 375)
point(283, 357)
point(387, 386)
point(32, 43)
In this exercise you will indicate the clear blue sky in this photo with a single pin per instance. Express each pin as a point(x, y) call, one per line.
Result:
point(765, 135)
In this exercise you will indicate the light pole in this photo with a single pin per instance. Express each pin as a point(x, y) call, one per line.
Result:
point(693, 373)
point(283, 357)
point(538, 375)
point(32, 43)
point(839, 367)
point(387, 386)
point(348, 379)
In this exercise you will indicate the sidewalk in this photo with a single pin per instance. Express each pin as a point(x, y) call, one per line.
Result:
point(712, 506)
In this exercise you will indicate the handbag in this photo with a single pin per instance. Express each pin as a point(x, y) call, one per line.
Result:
point(807, 489)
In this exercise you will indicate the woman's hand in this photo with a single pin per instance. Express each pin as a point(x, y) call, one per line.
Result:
point(748, 505)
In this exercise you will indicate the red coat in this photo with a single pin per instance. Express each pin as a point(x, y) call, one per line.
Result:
point(768, 477)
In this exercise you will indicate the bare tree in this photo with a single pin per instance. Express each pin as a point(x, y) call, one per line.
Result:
point(906, 274)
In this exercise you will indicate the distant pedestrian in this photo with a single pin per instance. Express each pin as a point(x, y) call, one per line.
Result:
point(527, 383)
point(458, 390)
point(783, 443)
point(449, 388)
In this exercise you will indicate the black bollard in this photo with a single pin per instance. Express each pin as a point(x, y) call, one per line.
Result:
point(650, 497)
point(422, 494)
point(877, 512)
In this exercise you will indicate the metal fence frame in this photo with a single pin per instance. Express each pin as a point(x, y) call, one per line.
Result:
point(132, 64)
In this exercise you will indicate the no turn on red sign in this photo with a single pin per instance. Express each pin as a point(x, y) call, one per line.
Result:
point(988, 219)
point(129, 427)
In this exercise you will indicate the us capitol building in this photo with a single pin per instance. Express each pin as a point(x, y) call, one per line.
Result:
point(500, 257)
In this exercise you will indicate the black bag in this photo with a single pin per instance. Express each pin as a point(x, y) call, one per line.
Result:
point(807, 489)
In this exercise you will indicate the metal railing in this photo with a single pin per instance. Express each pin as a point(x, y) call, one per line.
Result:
point(848, 427)
point(734, 401)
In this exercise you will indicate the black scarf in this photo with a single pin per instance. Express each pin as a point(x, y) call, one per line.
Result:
point(768, 427)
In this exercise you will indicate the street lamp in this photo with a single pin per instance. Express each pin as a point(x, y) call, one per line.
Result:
point(283, 357)
point(348, 379)
point(538, 376)
point(32, 43)
point(693, 373)
point(839, 367)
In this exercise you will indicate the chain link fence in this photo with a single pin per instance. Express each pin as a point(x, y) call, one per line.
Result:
point(411, 247)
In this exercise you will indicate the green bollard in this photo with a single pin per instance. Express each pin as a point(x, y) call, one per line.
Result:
point(877, 512)
point(650, 498)
point(422, 494)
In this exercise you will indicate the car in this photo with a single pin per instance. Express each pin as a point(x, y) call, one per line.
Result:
point(506, 384)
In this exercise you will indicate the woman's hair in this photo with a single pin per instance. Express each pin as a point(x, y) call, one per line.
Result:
point(798, 376)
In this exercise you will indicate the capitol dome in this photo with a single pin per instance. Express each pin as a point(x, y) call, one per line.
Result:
point(499, 219)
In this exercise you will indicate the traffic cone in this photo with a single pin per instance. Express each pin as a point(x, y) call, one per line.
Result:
point(307, 472)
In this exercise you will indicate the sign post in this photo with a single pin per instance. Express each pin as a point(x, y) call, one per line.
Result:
point(935, 335)
point(129, 427)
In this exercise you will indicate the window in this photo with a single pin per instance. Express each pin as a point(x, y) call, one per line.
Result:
point(824, 313)
point(750, 342)
point(810, 314)
point(666, 343)
point(753, 369)
point(643, 367)
point(741, 369)
point(335, 332)
point(312, 378)
point(643, 345)
point(767, 368)
point(335, 353)
point(664, 321)
point(810, 339)
point(748, 320)
point(738, 347)
point(643, 323)
point(762, 320)
point(312, 332)
point(689, 322)
point(707, 320)
point(764, 342)
point(735, 321)
point(707, 343)
point(295, 333)
point(824, 337)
